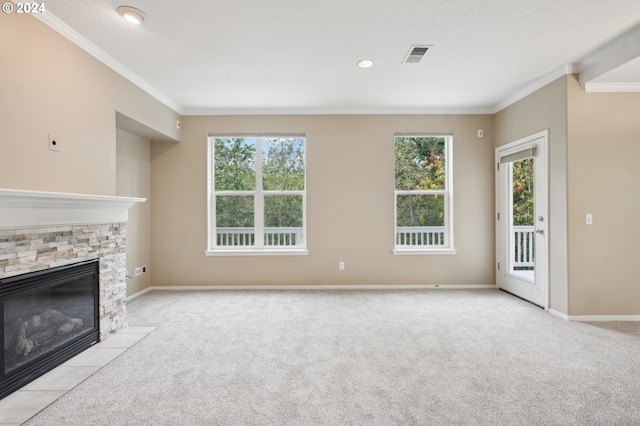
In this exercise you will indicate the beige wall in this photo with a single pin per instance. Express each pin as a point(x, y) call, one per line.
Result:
point(49, 85)
point(604, 180)
point(350, 183)
point(133, 179)
point(546, 109)
point(594, 147)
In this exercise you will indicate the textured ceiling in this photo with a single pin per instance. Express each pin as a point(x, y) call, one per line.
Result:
point(279, 55)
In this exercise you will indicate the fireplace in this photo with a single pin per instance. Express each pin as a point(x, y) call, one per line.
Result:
point(47, 240)
point(46, 318)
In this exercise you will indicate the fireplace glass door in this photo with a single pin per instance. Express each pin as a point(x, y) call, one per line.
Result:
point(46, 313)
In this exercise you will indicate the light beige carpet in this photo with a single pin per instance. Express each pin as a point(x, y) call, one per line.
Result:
point(424, 357)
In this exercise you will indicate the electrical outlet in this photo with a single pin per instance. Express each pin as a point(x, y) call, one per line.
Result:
point(144, 269)
point(54, 144)
point(341, 266)
point(138, 271)
point(588, 219)
point(480, 133)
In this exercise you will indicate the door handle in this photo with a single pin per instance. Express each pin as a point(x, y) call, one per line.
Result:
point(540, 231)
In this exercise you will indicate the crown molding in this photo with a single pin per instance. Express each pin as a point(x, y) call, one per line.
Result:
point(82, 42)
point(337, 111)
point(611, 87)
point(69, 33)
point(612, 53)
point(536, 85)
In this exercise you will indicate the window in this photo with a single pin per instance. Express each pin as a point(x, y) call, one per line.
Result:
point(257, 195)
point(423, 200)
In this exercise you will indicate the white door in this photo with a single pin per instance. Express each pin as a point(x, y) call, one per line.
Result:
point(522, 219)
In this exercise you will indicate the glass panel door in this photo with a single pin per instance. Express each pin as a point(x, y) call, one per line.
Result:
point(522, 258)
point(521, 228)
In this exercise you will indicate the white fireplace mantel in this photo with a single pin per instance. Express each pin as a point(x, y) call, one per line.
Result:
point(27, 209)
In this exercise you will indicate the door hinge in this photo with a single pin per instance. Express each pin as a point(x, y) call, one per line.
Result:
point(498, 215)
point(498, 266)
point(498, 166)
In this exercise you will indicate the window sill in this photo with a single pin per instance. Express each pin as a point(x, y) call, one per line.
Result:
point(423, 252)
point(258, 252)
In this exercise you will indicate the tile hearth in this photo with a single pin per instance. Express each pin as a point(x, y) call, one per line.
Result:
point(20, 406)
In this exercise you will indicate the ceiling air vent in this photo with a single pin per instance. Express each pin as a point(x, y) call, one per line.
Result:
point(415, 55)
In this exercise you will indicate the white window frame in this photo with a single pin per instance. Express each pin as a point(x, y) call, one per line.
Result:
point(448, 247)
point(259, 248)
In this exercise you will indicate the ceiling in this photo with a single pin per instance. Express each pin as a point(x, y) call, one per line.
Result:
point(299, 56)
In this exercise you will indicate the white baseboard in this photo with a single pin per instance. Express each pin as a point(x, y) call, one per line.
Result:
point(559, 314)
point(579, 318)
point(140, 293)
point(594, 318)
point(317, 287)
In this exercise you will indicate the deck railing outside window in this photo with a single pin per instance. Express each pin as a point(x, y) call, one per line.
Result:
point(420, 236)
point(423, 236)
point(523, 253)
point(245, 237)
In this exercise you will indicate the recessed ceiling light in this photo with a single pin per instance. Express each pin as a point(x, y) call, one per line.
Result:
point(365, 63)
point(133, 15)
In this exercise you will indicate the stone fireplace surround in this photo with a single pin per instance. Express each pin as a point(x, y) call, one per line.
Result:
point(43, 230)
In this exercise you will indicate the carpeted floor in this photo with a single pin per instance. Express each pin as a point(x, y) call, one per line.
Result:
point(414, 357)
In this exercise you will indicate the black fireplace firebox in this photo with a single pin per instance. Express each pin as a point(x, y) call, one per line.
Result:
point(47, 317)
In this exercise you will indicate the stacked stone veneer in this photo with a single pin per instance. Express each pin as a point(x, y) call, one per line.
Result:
point(36, 249)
